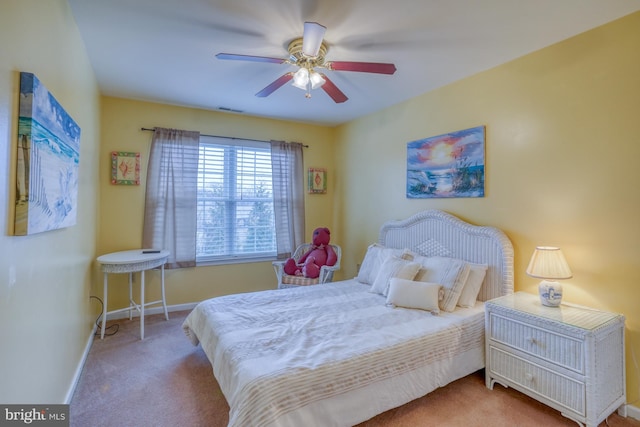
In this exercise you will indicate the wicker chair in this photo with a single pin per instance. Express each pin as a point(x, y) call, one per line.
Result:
point(326, 272)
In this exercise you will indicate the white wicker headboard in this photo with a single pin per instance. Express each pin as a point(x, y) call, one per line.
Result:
point(437, 233)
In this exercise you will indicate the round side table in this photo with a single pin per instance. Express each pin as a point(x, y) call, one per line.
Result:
point(137, 260)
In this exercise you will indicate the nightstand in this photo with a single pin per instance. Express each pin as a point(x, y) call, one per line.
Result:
point(568, 357)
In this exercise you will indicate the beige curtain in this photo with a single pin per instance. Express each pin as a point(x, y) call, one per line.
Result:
point(171, 196)
point(288, 196)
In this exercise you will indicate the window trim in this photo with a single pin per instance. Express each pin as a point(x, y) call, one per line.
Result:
point(205, 261)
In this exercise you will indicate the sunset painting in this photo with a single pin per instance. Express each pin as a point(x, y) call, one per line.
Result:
point(449, 165)
point(47, 161)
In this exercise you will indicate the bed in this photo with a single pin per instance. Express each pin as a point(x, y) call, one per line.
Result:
point(340, 353)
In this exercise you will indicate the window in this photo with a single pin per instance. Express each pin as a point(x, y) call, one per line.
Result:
point(235, 213)
point(222, 200)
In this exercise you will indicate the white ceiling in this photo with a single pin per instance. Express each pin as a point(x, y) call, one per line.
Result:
point(164, 50)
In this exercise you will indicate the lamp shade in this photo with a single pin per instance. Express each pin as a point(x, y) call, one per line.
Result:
point(316, 80)
point(548, 262)
point(301, 78)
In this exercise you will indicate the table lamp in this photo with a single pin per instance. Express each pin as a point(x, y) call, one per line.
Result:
point(548, 263)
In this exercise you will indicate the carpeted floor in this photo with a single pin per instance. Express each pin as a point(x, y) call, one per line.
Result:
point(165, 381)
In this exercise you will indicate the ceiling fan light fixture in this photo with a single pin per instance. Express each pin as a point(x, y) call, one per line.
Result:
point(312, 39)
point(301, 78)
point(316, 80)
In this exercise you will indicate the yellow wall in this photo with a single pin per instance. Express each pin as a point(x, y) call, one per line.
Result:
point(123, 206)
point(562, 150)
point(45, 312)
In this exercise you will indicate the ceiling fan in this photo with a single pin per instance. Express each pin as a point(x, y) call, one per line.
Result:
point(308, 53)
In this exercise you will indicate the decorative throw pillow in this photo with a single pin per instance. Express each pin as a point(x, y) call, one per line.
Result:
point(411, 294)
point(472, 286)
point(450, 272)
point(373, 259)
point(393, 267)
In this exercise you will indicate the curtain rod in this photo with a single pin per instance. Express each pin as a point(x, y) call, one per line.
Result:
point(228, 137)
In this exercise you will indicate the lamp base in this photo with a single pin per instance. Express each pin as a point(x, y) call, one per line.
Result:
point(550, 293)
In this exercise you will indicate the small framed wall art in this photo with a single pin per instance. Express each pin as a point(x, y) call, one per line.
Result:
point(317, 183)
point(125, 168)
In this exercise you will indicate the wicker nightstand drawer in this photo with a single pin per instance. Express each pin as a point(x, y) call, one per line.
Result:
point(547, 384)
point(557, 348)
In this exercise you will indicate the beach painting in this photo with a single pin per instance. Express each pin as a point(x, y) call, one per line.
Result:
point(48, 156)
point(449, 165)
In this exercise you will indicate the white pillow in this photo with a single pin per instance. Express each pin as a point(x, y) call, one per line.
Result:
point(373, 259)
point(450, 272)
point(411, 294)
point(472, 286)
point(393, 267)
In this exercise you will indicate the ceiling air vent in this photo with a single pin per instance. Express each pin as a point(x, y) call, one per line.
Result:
point(231, 110)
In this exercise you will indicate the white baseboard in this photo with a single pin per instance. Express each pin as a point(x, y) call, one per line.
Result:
point(121, 315)
point(80, 367)
point(632, 412)
point(152, 310)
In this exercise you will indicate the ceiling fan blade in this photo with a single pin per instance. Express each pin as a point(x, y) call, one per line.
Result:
point(312, 38)
point(250, 58)
point(333, 91)
point(363, 67)
point(275, 85)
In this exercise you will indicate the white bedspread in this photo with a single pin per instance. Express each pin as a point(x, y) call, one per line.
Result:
point(330, 354)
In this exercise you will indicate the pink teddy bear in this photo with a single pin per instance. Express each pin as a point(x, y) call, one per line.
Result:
point(320, 253)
